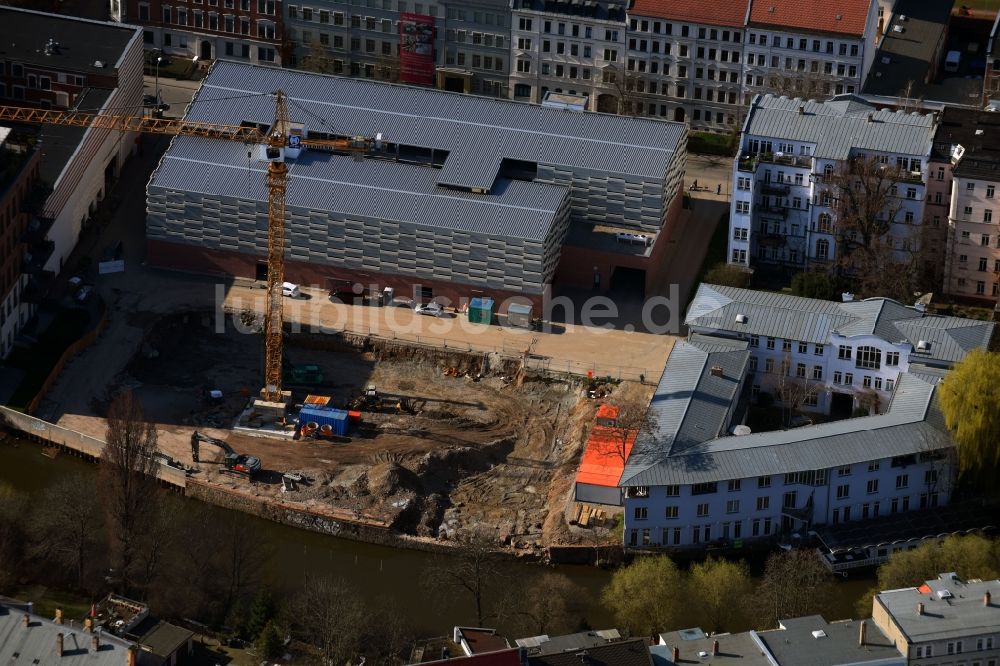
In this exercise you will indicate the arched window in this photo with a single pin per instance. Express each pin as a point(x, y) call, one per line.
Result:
point(869, 357)
point(824, 223)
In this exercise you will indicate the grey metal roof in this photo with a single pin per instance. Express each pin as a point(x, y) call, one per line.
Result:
point(903, 429)
point(715, 308)
point(544, 644)
point(963, 614)
point(472, 129)
point(840, 125)
point(379, 189)
point(690, 405)
point(36, 644)
point(794, 643)
point(622, 653)
point(736, 648)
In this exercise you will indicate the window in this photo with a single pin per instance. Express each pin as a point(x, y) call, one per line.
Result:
point(844, 471)
point(838, 377)
point(869, 357)
point(902, 481)
point(524, 24)
point(640, 513)
point(818, 350)
point(930, 477)
point(763, 481)
point(733, 506)
point(788, 501)
point(800, 370)
point(770, 343)
point(754, 341)
point(672, 512)
point(734, 485)
point(867, 381)
point(844, 352)
point(822, 249)
point(703, 488)
point(673, 491)
point(844, 491)
point(786, 345)
point(892, 358)
point(803, 347)
point(818, 372)
point(873, 466)
point(990, 191)
point(702, 510)
point(763, 503)
point(872, 486)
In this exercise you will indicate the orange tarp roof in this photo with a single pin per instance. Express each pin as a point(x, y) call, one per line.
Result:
point(607, 412)
point(924, 589)
point(602, 463)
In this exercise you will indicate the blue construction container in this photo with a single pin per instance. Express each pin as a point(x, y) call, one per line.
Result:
point(481, 310)
point(337, 419)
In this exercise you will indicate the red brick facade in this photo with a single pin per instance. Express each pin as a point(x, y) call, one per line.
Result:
point(14, 223)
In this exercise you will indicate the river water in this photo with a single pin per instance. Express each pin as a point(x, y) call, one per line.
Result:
point(378, 571)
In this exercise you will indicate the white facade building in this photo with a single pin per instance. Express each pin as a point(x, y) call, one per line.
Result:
point(684, 61)
point(809, 49)
point(695, 483)
point(782, 212)
point(572, 48)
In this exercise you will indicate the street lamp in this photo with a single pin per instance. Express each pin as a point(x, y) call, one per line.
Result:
point(156, 86)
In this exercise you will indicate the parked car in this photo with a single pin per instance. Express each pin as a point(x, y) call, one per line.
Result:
point(149, 101)
point(291, 290)
point(401, 302)
point(430, 309)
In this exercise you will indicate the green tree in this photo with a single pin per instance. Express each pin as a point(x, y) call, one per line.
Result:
point(970, 556)
point(814, 284)
point(728, 275)
point(262, 611)
point(643, 596)
point(970, 401)
point(795, 583)
point(269, 644)
point(717, 588)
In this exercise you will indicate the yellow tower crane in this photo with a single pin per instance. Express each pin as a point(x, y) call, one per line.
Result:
point(275, 141)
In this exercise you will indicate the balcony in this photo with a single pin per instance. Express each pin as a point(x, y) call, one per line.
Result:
point(800, 161)
point(916, 177)
point(774, 188)
point(35, 257)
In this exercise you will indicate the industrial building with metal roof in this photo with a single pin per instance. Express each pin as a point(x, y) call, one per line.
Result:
point(26, 638)
point(700, 475)
point(475, 191)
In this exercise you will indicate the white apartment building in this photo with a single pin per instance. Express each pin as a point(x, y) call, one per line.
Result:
point(695, 483)
point(944, 621)
point(971, 141)
point(782, 209)
point(809, 48)
point(684, 61)
point(568, 47)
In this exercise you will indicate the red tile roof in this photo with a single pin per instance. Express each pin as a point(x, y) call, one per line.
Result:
point(813, 15)
point(730, 13)
point(607, 412)
point(602, 464)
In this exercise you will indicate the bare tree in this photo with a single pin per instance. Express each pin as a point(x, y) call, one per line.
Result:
point(69, 521)
point(473, 571)
point(795, 583)
point(634, 420)
point(331, 615)
point(865, 196)
point(128, 480)
point(318, 59)
point(791, 387)
point(543, 604)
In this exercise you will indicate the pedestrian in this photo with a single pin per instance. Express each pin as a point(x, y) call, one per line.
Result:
point(718, 189)
point(695, 186)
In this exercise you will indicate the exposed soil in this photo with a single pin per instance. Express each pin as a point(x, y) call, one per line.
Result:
point(493, 456)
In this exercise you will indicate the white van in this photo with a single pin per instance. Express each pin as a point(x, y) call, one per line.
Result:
point(952, 60)
point(291, 290)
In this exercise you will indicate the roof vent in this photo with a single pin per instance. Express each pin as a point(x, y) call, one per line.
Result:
point(897, 28)
point(819, 633)
point(717, 371)
point(979, 132)
point(944, 594)
point(840, 17)
point(871, 117)
point(920, 306)
point(902, 18)
point(99, 64)
point(802, 109)
point(771, 9)
point(923, 345)
point(886, 60)
point(847, 297)
point(741, 319)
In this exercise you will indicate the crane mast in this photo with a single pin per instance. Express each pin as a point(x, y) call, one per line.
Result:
point(277, 181)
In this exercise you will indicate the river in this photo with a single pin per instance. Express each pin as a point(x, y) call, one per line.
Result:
point(378, 571)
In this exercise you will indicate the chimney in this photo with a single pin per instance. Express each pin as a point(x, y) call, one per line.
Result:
point(130, 656)
point(95, 643)
point(802, 109)
point(675, 655)
point(59, 645)
point(987, 598)
point(871, 117)
point(26, 620)
point(715, 648)
point(58, 618)
point(716, 370)
point(862, 633)
point(920, 608)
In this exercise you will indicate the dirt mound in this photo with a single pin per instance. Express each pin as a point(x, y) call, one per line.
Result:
point(388, 479)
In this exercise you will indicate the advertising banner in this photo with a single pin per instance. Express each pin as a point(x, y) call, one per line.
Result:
point(416, 49)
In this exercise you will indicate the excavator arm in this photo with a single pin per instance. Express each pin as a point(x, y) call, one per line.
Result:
point(197, 438)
